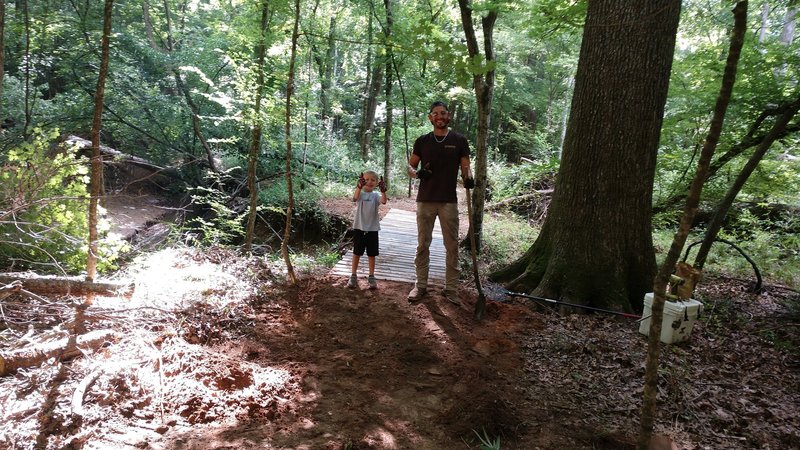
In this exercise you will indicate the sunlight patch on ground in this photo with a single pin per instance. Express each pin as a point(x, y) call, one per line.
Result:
point(179, 277)
point(381, 438)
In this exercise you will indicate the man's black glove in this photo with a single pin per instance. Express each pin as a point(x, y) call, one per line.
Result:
point(469, 183)
point(424, 174)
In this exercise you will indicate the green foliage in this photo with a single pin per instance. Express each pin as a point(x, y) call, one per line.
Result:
point(44, 209)
point(487, 443)
point(219, 224)
point(506, 237)
point(773, 246)
point(511, 181)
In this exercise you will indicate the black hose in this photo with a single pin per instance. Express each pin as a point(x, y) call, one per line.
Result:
point(757, 287)
point(574, 305)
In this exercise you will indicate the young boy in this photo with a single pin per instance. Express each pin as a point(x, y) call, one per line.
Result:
point(366, 224)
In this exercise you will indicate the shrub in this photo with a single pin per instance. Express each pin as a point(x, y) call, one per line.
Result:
point(44, 209)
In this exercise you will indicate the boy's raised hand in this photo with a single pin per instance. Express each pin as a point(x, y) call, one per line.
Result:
point(382, 185)
point(361, 181)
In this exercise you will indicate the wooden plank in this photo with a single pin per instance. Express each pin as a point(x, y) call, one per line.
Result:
point(398, 247)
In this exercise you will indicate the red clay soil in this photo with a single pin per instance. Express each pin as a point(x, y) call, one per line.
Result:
point(216, 351)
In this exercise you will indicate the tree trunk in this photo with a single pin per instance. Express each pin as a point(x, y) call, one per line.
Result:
point(722, 209)
point(648, 411)
point(370, 105)
point(595, 247)
point(255, 144)
point(193, 109)
point(288, 132)
point(28, 75)
point(53, 285)
point(60, 349)
point(483, 83)
point(96, 182)
point(387, 134)
point(2, 51)
point(326, 73)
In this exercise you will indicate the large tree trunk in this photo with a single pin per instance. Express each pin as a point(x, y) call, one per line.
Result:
point(596, 245)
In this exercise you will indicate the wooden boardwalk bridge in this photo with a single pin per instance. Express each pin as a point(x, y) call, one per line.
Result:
point(398, 246)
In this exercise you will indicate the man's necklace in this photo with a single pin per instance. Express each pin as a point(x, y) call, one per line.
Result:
point(445, 137)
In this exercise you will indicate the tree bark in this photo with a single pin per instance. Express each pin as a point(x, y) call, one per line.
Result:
point(96, 182)
point(722, 209)
point(33, 356)
point(387, 133)
point(325, 64)
point(535, 195)
point(2, 51)
point(483, 84)
point(65, 285)
point(595, 247)
point(28, 76)
point(288, 131)
point(116, 157)
point(255, 144)
point(370, 105)
point(373, 89)
point(650, 392)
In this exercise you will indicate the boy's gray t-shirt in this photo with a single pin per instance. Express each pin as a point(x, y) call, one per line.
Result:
point(366, 217)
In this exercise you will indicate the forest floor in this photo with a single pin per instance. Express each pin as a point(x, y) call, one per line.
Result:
point(214, 350)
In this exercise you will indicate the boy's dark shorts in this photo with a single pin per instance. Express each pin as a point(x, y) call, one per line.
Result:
point(365, 240)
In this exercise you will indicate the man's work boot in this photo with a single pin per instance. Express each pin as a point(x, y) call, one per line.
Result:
point(416, 294)
point(452, 297)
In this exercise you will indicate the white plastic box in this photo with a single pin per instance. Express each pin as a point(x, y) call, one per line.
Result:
point(678, 321)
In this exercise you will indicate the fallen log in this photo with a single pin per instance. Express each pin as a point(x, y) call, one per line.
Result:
point(535, 195)
point(34, 355)
point(8, 289)
point(61, 285)
point(112, 156)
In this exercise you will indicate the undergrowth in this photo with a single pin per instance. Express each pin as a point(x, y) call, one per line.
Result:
point(506, 237)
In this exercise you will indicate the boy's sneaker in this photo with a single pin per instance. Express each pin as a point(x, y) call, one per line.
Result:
point(416, 294)
point(373, 283)
point(352, 283)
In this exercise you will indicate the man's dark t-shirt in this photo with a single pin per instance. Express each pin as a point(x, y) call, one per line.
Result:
point(443, 160)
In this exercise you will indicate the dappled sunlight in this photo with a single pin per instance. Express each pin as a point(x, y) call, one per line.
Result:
point(381, 438)
point(179, 277)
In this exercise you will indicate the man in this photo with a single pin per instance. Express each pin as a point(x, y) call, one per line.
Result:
point(435, 161)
